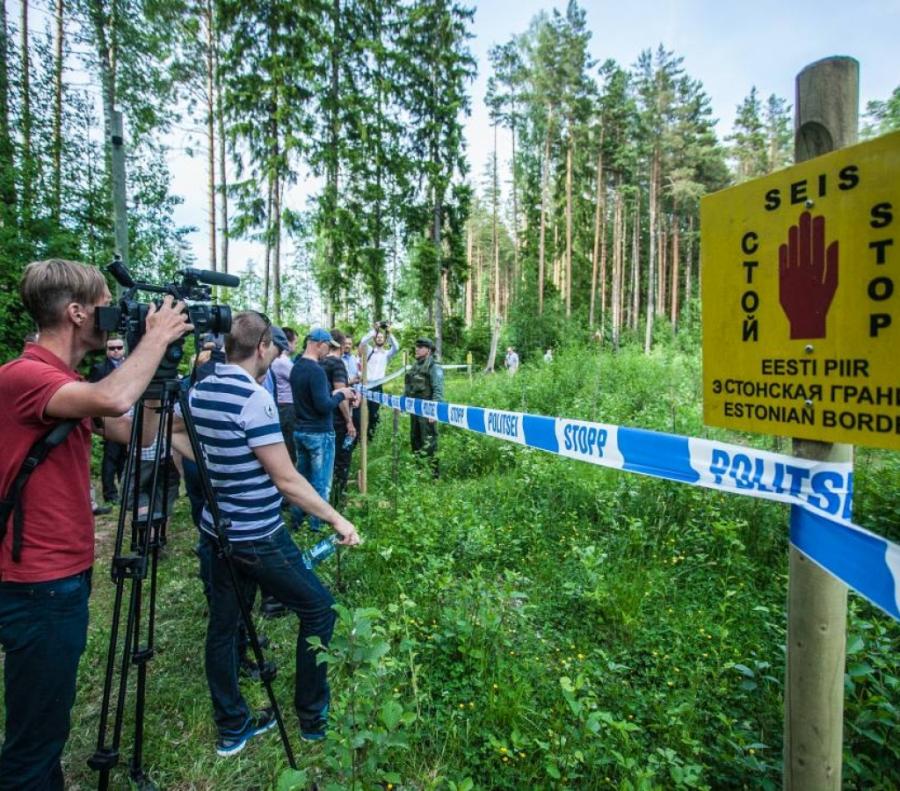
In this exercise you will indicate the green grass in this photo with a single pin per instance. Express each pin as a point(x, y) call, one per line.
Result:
point(529, 621)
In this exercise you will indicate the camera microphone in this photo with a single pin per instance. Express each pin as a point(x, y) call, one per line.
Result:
point(118, 270)
point(211, 278)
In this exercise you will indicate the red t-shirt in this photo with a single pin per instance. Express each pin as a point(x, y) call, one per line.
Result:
point(58, 534)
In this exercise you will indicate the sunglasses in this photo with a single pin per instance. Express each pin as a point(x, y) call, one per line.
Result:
point(268, 326)
point(115, 348)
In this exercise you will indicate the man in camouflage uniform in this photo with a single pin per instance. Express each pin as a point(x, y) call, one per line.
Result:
point(425, 380)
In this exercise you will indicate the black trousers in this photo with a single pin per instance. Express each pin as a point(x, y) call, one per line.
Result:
point(342, 459)
point(373, 413)
point(288, 417)
point(114, 457)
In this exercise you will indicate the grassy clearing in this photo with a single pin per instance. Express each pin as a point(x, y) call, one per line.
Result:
point(532, 622)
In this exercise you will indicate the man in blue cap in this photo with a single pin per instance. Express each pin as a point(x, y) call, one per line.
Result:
point(425, 380)
point(314, 405)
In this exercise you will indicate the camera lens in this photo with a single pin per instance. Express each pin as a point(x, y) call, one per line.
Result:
point(220, 319)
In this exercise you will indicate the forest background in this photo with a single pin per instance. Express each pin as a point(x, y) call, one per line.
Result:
point(647, 653)
point(332, 137)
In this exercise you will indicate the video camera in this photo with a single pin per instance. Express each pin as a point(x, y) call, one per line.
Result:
point(129, 317)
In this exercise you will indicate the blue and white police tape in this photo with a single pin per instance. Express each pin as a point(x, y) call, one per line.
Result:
point(822, 530)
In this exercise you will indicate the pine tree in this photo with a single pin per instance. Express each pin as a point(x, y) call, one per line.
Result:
point(439, 67)
point(268, 63)
point(779, 134)
point(748, 139)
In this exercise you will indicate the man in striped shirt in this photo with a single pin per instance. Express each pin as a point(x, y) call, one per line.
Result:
point(251, 471)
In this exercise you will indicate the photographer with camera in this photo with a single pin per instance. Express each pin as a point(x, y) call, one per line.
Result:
point(47, 555)
point(377, 357)
point(251, 471)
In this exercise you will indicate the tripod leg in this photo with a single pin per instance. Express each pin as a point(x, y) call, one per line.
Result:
point(148, 539)
point(105, 758)
point(140, 656)
point(133, 567)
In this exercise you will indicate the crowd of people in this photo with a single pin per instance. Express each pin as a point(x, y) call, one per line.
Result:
point(277, 422)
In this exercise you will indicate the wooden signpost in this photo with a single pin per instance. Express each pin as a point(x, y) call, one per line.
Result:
point(800, 337)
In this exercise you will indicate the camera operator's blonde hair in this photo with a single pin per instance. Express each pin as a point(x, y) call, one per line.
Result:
point(248, 330)
point(48, 286)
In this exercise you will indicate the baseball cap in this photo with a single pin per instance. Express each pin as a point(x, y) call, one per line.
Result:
point(280, 339)
point(323, 336)
point(425, 342)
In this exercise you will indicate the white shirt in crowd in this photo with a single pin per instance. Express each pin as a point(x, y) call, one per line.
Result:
point(377, 358)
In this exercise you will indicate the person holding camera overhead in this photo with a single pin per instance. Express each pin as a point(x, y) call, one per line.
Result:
point(377, 357)
point(47, 549)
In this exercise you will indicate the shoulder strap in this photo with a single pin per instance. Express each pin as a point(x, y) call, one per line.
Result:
point(12, 503)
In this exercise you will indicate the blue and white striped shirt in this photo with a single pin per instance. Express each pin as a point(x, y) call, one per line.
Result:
point(233, 415)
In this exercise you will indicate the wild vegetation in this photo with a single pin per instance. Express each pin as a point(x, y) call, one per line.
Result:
point(528, 622)
point(531, 621)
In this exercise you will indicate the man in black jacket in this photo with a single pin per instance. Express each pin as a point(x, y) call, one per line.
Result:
point(314, 405)
point(114, 453)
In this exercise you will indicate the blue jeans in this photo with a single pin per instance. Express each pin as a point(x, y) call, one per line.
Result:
point(276, 564)
point(315, 462)
point(43, 630)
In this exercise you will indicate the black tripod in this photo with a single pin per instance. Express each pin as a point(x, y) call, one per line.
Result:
point(147, 537)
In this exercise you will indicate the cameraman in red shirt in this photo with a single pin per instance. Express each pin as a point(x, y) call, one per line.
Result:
point(43, 596)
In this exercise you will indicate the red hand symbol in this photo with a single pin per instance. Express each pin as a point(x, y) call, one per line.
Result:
point(807, 277)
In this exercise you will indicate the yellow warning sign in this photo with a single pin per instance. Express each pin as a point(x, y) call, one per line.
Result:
point(800, 287)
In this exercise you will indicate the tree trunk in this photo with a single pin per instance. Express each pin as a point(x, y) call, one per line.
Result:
point(378, 243)
point(569, 158)
point(7, 147)
point(220, 124)
point(207, 14)
point(617, 267)
point(495, 235)
point(28, 170)
point(268, 236)
point(557, 261)
point(445, 293)
point(515, 215)
point(333, 157)
point(276, 254)
point(623, 291)
point(599, 211)
point(438, 252)
point(662, 248)
point(471, 270)
point(675, 273)
point(688, 261)
point(106, 60)
point(636, 264)
point(627, 273)
point(545, 177)
point(56, 143)
point(495, 341)
point(651, 270)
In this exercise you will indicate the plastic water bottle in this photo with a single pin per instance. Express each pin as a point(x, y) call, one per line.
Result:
point(319, 552)
point(347, 443)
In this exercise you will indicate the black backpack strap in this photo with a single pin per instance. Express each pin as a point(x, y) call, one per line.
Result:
point(12, 503)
